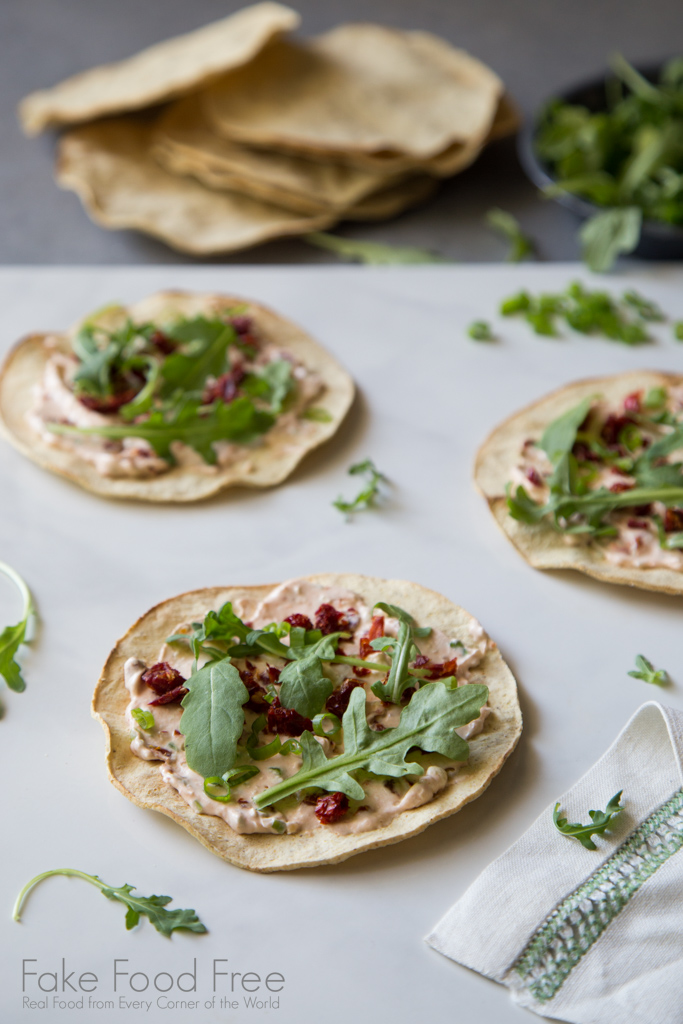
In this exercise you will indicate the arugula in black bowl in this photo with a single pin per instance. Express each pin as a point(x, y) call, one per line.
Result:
point(612, 151)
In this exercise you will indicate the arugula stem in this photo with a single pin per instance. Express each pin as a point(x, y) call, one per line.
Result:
point(14, 576)
point(374, 666)
point(93, 879)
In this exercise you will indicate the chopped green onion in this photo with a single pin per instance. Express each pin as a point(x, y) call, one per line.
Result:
point(317, 415)
point(145, 719)
point(319, 724)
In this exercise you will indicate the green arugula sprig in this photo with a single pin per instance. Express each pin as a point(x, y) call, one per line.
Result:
point(376, 253)
point(572, 506)
point(646, 671)
point(369, 495)
point(480, 330)
point(627, 158)
point(151, 907)
point(428, 722)
point(599, 823)
point(12, 637)
point(585, 311)
point(403, 649)
point(509, 227)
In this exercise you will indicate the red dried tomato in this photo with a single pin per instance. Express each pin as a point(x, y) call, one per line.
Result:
point(257, 695)
point(673, 520)
point(162, 678)
point(331, 808)
point(162, 341)
point(445, 668)
point(298, 621)
point(329, 620)
point(421, 661)
point(583, 453)
point(171, 697)
point(632, 402)
point(108, 403)
point(638, 524)
point(618, 487)
point(242, 324)
point(376, 630)
point(534, 477)
point(338, 701)
point(613, 427)
point(225, 388)
point(286, 720)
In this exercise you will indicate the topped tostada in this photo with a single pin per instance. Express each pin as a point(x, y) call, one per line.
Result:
point(173, 398)
point(298, 724)
point(591, 478)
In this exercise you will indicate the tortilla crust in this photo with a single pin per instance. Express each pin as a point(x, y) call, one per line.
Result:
point(141, 781)
point(263, 466)
point(359, 88)
point(159, 72)
point(541, 546)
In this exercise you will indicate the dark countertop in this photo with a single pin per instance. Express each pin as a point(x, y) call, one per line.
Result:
point(536, 47)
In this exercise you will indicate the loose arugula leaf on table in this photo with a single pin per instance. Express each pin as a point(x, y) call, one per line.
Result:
point(367, 497)
point(646, 671)
point(428, 723)
point(600, 821)
point(509, 227)
point(238, 421)
point(12, 637)
point(480, 330)
point(151, 907)
point(610, 234)
point(213, 717)
point(376, 253)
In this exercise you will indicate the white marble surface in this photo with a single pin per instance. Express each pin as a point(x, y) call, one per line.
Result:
point(348, 939)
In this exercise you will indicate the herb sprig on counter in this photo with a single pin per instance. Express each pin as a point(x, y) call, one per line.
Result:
point(374, 253)
point(599, 823)
point(151, 907)
point(369, 494)
point(646, 671)
point(12, 637)
point(588, 312)
point(509, 227)
point(627, 158)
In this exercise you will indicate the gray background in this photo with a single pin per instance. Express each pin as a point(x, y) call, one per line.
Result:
point(537, 46)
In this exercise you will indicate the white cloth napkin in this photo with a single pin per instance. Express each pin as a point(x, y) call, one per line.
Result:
point(591, 937)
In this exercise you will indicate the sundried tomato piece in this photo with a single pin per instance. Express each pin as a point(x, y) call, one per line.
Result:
point(108, 403)
point(642, 510)
point(331, 808)
point(632, 401)
point(673, 520)
point(286, 720)
point(613, 427)
point(360, 672)
point(328, 619)
point(225, 388)
point(583, 453)
point(162, 678)
point(298, 621)
point(162, 341)
point(534, 477)
point(637, 524)
point(242, 324)
point(619, 486)
point(257, 695)
point(445, 668)
point(338, 701)
point(376, 630)
point(421, 661)
point(171, 697)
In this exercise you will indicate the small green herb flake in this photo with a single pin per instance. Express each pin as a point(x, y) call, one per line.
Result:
point(152, 907)
point(317, 415)
point(678, 330)
point(480, 330)
point(599, 823)
point(12, 637)
point(646, 671)
point(368, 496)
point(376, 253)
point(509, 227)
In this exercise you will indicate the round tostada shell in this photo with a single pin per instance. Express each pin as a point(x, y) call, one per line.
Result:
point(541, 545)
point(142, 783)
point(262, 466)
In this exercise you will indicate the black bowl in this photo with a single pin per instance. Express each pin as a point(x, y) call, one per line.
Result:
point(658, 241)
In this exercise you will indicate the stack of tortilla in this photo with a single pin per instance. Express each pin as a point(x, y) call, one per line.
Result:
point(236, 133)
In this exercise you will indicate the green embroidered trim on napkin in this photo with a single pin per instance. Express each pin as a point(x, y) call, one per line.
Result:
point(572, 928)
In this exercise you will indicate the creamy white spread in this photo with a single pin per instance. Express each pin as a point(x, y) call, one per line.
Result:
point(637, 542)
point(54, 401)
point(383, 799)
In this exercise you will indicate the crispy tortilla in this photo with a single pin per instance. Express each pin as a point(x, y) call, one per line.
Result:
point(541, 546)
point(262, 466)
point(357, 89)
point(160, 72)
point(109, 166)
point(141, 782)
point(184, 143)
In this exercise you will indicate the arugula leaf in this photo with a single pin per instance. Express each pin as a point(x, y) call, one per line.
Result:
point(238, 421)
point(428, 722)
point(367, 497)
point(678, 330)
point(480, 330)
point(206, 344)
point(304, 685)
point(646, 308)
point(222, 626)
point(398, 678)
point(12, 637)
point(559, 437)
point(151, 907)
point(371, 252)
point(646, 671)
point(510, 228)
point(213, 717)
point(609, 234)
point(597, 827)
